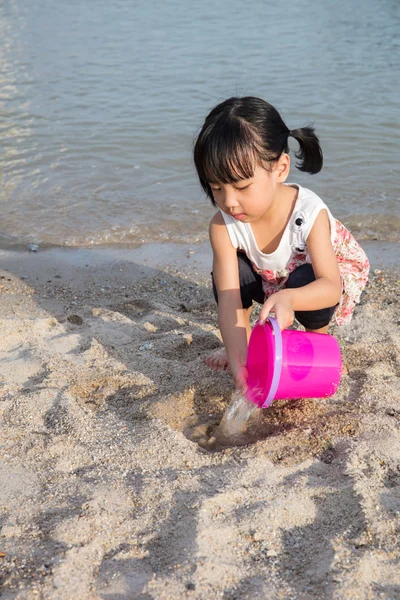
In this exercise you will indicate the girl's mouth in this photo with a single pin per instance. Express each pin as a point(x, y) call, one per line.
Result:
point(239, 217)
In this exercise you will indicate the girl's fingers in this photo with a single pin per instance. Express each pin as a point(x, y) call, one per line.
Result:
point(281, 323)
point(241, 378)
point(284, 319)
point(264, 313)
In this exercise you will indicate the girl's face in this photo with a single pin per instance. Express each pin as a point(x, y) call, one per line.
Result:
point(251, 199)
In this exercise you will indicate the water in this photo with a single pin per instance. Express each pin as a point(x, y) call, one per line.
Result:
point(239, 425)
point(237, 421)
point(101, 99)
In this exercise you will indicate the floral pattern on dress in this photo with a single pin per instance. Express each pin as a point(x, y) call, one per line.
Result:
point(273, 281)
point(353, 266)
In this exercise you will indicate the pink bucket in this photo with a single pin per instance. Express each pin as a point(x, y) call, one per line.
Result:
point(291, 364)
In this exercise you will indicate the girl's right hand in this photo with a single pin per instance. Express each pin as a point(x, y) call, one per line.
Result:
point(240, 378)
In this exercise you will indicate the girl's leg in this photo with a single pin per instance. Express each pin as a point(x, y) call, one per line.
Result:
point(313, 320)
point(321, 330)
point(250, 289)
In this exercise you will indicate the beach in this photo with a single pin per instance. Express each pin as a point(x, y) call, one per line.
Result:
point(105, 492)
point(115, 480)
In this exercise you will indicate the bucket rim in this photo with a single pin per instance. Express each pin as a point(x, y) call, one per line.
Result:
point(277, 366)
point(262, 390)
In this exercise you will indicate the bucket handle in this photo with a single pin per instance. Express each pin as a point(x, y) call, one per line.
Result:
point(277, 362)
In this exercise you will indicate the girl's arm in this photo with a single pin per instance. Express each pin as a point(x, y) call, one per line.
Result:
point(324, 292)
point(232, 320)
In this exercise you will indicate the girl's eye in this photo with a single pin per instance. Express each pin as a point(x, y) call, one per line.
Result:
point(243, 188)
point(216, 189)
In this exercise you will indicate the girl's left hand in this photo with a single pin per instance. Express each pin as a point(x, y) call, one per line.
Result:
point(280, 304)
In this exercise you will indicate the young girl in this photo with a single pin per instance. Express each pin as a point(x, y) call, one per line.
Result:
point(273, 242)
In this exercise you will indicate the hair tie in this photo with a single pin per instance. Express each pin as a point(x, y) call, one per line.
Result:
point(290, 133)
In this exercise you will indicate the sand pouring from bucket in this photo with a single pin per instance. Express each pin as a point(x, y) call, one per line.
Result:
point(291, 364)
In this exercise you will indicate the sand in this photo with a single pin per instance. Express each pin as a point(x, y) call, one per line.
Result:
point(105, 492)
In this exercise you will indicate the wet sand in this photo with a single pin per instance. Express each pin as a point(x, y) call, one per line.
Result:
point(105, 492)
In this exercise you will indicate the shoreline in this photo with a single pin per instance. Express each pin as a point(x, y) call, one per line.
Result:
point(382, 254)
point(104, 492)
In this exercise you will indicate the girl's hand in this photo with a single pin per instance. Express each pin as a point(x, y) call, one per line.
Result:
point(280, 304)
point(240, 378)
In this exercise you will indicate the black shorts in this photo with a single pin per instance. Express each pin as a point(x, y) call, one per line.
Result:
point(251, 289)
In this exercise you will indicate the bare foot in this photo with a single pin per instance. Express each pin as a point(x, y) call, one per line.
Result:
point(217, 360)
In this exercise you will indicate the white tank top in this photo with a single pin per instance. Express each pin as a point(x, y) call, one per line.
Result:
point(291, 253)
point(294, 238)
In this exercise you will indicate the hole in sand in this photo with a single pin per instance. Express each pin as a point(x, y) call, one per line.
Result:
point(289, 430)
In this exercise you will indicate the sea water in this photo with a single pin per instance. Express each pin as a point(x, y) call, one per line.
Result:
point(101, 100)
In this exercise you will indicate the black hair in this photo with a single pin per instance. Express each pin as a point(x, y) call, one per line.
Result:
point(240, 134)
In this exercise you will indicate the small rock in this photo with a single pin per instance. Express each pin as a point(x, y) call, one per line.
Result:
point(377, 272)
point(145, 346)
point(75, 319)
point(391, 412)
point(271, 554)
point(33, 247)
point(212, 443)
point(190, 586)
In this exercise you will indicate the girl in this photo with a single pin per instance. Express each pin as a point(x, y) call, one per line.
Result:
point(273, 242)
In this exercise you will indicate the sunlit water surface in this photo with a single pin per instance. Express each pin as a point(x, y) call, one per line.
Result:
point(100, 101)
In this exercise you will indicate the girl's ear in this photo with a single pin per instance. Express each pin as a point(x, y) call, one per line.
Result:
point(283, 167)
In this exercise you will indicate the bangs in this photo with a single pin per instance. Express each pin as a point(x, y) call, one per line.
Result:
point(226, 152)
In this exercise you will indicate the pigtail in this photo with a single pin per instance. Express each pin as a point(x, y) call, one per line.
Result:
point(310, 153)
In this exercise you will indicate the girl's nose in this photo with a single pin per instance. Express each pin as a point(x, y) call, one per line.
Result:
point(230, 200)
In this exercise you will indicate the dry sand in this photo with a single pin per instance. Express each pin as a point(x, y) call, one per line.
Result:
point(104, 492)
